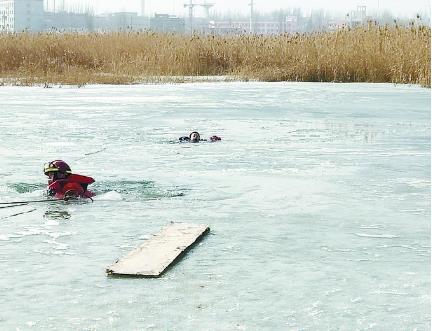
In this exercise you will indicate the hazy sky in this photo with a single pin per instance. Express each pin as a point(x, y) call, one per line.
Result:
point(398, 7)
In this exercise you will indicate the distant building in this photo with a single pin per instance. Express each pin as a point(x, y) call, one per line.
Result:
point(357, 17)
point(121, 21)
point(271, 27)
point(228, 27)
point(68, 22)
point(167, 23)
point(21, 15)
point(199, 25)
point(289, 25)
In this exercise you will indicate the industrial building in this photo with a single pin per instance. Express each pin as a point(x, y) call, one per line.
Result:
point(288, 25)
point(167, 23)
point(121, 21)
point(21, 15)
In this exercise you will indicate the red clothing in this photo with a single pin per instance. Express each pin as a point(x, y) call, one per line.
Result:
point(72, 186)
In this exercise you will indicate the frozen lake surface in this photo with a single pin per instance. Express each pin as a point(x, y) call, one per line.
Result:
point(318, 200)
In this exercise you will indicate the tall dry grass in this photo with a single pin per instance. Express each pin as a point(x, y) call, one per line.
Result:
point(367, 54)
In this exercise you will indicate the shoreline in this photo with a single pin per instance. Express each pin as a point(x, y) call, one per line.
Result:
point(176, 80)
point(144, 81)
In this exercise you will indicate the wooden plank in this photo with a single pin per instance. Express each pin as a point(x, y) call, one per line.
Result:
point(156, 254)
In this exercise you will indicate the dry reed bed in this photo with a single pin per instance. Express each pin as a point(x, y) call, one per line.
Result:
point(367, 54)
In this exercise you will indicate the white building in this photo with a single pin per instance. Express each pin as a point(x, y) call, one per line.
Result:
point(21, 15)
point(260, 27)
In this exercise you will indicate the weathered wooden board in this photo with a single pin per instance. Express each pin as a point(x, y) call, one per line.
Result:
point(157, 253)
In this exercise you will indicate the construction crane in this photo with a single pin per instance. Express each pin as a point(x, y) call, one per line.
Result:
point(142, 7)
point(207, 7)
point(251, 23)
point(191, 6)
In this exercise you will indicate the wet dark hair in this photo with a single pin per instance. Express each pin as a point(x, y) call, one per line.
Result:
point(190, 135)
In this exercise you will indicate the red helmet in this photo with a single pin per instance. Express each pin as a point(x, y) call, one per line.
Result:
point(57, 166)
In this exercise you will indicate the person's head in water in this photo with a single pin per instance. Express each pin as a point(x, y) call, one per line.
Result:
point(57, 169)
point(194, 137)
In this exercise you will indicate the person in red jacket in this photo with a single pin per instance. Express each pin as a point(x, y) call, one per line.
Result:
point(63, 184)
